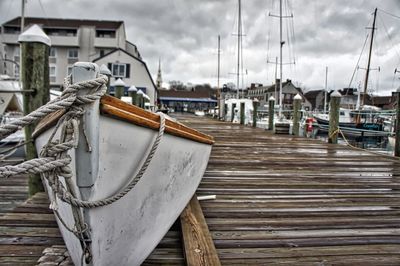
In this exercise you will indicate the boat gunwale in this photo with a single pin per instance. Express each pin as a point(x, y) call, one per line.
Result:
point(115, 108)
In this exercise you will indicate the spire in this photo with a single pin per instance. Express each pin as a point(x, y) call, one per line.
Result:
point(159, 78)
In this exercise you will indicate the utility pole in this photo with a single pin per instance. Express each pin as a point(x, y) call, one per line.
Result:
point(22, 16)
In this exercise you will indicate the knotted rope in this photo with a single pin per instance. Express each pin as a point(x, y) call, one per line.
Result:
point(54, 160)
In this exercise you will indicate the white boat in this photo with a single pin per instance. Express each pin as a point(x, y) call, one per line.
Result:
point(126, 231)
point(232, 113)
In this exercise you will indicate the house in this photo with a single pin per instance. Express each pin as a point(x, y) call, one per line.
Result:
point(317, 99)
point(131, 69)
point(73, 40)
point(289, 90)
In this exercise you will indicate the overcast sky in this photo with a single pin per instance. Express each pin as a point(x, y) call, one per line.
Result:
point(183, 33)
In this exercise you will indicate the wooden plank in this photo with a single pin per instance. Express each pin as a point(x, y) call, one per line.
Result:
point(198, 244)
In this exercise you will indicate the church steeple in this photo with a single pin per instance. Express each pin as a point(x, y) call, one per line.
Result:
point(159, 78)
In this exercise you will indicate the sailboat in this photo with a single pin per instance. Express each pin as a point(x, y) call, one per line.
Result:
point(121, 136)
point(364, 119)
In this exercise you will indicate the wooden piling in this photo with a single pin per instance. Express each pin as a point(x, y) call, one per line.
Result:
point(132, 91)
point(233, 111)
point(139, 98)
point(397, 128)
point(119, 88)
point(224, 111)
point(296, 114)
point(271, 110)
point(242, 113)
point(105, 71)
point(35, 48)
point(334, 117)
point(255, 109)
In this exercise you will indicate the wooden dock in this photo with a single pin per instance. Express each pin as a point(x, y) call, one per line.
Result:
point(280, 200)
point(284, 200)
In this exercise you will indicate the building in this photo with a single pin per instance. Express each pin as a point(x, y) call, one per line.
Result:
point(131, 69)
point(187, 101)
point(316, 99)
point(289, 90)
point(159, 77)
point(73, 40)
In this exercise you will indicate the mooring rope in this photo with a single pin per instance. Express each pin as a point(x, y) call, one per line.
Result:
point(54, 160)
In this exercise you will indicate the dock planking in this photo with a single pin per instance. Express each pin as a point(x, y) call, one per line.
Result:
point(284, 200)
point(281, 200)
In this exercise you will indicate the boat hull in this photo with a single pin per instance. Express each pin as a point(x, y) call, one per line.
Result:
point(126, 231)
point(363, 126)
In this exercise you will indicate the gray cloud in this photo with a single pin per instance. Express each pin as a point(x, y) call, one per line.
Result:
point(184, 34)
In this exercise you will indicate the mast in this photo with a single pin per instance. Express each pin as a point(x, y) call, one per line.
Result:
point(369, 59)
point(280, 61)
point(276, 77)
point(239, 42)
point(326, 88)
point(218, 70)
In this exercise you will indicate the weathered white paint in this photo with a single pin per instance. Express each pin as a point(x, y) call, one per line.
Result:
point(34, 34)
point(126, 232)
point(248, 113)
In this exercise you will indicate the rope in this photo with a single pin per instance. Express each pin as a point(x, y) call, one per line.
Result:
point(74, 201)
point(396, 159)
point(67, 98)
point(335, 132)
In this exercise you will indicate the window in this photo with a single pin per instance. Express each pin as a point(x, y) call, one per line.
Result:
point(53, 73)
point(53, 52)
point(73, 53)
point(105, 33)
point(119, 70)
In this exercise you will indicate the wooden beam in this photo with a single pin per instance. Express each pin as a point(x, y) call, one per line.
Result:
point(198, 245)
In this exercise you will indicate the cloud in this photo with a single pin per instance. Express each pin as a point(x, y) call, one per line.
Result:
point(183, 33)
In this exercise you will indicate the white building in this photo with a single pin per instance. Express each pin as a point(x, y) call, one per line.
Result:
point(76, 40)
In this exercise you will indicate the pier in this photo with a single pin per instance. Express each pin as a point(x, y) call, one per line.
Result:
point(280, 200)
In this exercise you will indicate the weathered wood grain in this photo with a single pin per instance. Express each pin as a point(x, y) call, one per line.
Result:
point(198, 243)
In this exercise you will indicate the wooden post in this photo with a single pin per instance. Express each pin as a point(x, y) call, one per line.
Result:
point(271, 110)
point(224, 112)
point(146, 99)
point(242, 113)
point(105, 71)
point(35, 49)
point(296, 114)
point(233, 111)
point(255, 109)
point(334, 117)
point(397, 126)
point(133, 94)
point(119, 87)
point(140, 98)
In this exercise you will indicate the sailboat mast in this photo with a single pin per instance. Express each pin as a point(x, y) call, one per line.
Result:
point(218, 71)
point(326, 89)
point(276, 77)
point(239, 41)
point(280, 55)
point(369, 59)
